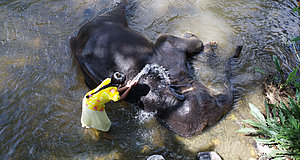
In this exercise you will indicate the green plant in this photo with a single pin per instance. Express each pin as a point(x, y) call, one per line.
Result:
point(297, 8)
point(292, 77)
point(296, 39)
point(295, 50)
point(260, 71)
point(280, 128)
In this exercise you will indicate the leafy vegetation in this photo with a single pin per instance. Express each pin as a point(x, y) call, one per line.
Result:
point(297, 39)
point(297, 9)
point(280, 128)
point(292, 78)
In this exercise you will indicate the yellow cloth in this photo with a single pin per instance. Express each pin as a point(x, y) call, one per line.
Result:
point(97, 101)
point(93, 108)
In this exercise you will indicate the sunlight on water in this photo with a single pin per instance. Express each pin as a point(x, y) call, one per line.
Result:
point(157, 8)
point(208, 27)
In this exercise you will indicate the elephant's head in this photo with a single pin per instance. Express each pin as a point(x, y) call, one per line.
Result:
point(186, 107)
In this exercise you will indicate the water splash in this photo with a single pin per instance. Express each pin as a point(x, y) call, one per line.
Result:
point(144, 116)
point(155, 69)
point(159, 72)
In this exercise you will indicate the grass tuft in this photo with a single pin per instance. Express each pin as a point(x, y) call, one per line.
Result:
point(280, 128)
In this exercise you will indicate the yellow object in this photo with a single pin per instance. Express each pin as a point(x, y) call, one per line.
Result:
point(96, 102)
point(93, 108)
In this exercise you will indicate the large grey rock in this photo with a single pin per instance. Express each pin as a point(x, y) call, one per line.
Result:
point(156, 157)
point(208, 156)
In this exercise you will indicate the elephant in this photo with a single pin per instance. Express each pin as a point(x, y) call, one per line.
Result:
point(184, 105)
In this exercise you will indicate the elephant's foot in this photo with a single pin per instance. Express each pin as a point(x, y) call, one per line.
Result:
point(210, 46)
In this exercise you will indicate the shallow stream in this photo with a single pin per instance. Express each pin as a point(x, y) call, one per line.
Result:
point(42, 87)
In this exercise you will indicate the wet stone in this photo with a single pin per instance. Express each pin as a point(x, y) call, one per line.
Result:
point(208, 156)
point(156, 157)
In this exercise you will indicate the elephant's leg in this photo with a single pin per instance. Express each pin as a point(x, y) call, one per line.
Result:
point(237, 52)
point(226, 98)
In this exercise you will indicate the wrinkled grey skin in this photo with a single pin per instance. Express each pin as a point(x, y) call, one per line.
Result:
point(106, 44)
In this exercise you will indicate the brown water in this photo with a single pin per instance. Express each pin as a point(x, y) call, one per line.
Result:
point(42, 87)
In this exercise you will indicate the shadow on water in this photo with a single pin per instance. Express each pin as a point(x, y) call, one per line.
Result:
point(42, 87)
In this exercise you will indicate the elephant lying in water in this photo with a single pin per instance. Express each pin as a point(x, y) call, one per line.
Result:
point(106, 44)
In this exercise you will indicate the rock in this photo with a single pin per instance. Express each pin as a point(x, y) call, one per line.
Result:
point(156, 157)
point(208, 156)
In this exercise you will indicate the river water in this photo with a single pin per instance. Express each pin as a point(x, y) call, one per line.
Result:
point(42, 87)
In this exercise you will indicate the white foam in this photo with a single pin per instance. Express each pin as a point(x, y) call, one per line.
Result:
point(144, 116)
